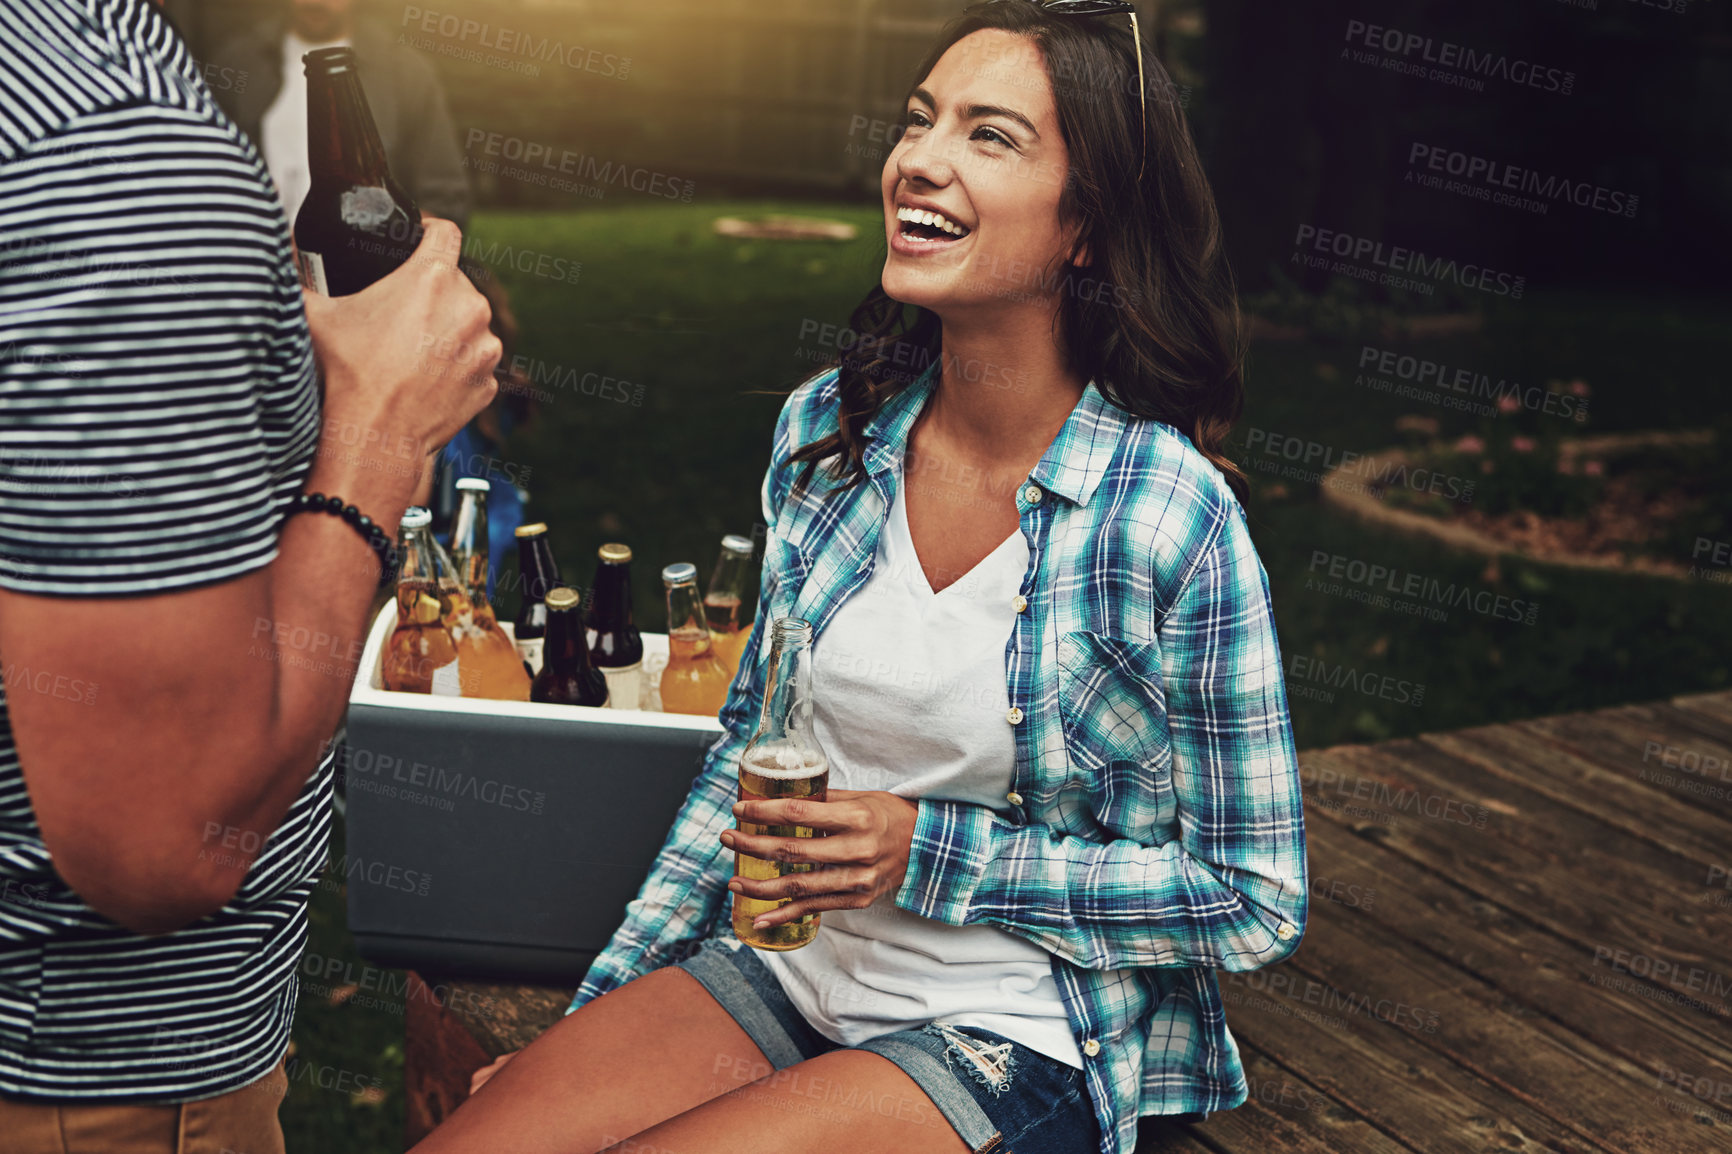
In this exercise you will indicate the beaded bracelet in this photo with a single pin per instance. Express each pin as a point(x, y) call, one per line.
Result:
point(377, 539)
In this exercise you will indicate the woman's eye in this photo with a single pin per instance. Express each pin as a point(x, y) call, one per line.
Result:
point(916, 119)
point(991, 136)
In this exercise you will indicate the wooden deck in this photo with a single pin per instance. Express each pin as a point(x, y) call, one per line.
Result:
point(1520, 939)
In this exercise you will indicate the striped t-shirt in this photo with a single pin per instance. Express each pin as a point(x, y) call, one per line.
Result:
point(158, 410)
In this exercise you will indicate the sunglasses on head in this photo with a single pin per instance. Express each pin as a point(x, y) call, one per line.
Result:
point(1108, 8)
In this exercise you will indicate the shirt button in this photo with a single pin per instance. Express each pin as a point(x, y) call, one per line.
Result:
point(1032, 494)
point(1019, 603)
point(1285, 931)
point(1014, 716)
point(1091, 1047)
point(1013, 797)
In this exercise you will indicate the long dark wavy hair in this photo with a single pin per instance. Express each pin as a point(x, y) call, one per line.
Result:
point(1154, 318)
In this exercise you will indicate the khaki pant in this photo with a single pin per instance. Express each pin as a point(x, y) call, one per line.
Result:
point(242, 1121)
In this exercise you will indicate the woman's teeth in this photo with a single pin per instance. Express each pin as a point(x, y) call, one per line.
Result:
point(921, 218)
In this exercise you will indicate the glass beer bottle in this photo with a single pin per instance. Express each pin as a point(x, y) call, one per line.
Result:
point(537, 575)
point(722, 602)
point(488, 656)
point(469, 547)
point(421, 655)
point(357, 224)
point(694, 681)
point(567, 677)
point(615, 645)
point(783, 759)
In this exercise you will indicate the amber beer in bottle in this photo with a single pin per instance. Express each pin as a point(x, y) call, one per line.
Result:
point(615, 645)
point(486, 653)
point(782, 760)
point(538, 575)
point(567, 677)
point(357, 223)
point(722, 601)
point(695, 680)
point(421, 655)
point(469, 542)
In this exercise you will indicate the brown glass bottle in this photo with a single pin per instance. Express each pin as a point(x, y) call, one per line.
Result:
point(567, 677)
point(537, 575)
point(615, 645)
point(357, 223)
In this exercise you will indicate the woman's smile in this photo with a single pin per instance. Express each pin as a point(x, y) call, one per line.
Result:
point(923, 228)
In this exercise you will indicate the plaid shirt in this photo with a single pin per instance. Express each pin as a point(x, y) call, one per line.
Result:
point(1153, 833)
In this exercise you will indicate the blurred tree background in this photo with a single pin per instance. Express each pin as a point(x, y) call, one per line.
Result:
point(750, 108)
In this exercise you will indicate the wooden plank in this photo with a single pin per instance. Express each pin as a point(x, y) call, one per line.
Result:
point(1562, 769)
point(1258, 1129)
point(1717, 706)
point(1157, 1135)
point(1367, 973)
point(453, 1028)
point(1549, 862)
point(1653, 745)
point(1548, 973)
point(1381, 1072)
point(1709, 717)
point(508, 1016)
point(440, 1054)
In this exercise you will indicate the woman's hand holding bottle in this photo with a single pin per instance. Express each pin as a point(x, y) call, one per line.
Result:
point(861, 851)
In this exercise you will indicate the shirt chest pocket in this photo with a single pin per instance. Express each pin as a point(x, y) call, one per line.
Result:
point(1113, 703)
point(784, 574)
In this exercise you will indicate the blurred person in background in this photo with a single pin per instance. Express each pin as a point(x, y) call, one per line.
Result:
point(177, 621)
point(409, 106)
point(478, 449)
point(403, 92)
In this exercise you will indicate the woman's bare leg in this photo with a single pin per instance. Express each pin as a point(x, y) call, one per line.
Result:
point(638, 1055)
point(842, 1102)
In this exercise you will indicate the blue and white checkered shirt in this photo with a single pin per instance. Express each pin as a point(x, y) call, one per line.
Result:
point(1153, 833)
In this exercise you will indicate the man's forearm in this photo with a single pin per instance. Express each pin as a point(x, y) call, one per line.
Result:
point(321, 588)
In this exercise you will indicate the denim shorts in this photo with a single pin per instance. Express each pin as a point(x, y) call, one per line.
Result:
point(1034, 1104)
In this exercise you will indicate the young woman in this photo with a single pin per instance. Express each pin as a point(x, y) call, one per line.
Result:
point(1046, 675)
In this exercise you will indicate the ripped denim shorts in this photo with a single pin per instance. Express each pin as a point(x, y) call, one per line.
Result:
point(1000, 1096)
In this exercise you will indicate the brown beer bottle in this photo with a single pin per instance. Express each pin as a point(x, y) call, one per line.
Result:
point(537, 575)
point(567, 677)
point(357, 223)
point(615, 645)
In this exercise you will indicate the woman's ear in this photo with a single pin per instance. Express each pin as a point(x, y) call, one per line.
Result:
point(1081, 254)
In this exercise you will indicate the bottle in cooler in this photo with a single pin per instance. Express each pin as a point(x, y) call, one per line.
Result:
point(695, 680)
point(567, 677)
point(782, 760)
point(421, 655)
point(722, 601)
point(538, 575)
point(483, 648)
point(615, 645)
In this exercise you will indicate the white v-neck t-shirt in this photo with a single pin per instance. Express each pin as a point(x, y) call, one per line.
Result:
point(910, 697)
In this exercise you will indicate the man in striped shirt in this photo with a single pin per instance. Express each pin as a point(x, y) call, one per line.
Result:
point(175, 653)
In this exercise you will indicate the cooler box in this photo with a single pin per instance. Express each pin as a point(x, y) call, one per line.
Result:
point(502, 840)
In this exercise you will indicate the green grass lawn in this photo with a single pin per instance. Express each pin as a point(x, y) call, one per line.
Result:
point(713, 329)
